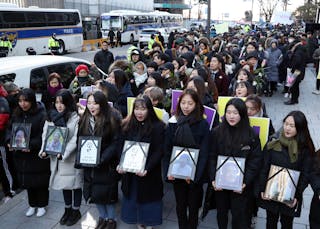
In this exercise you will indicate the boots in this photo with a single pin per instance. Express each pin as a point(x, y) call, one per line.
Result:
point(65, 216)
point(74, 217)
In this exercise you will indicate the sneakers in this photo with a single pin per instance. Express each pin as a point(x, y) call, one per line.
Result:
point(6, 199)
point(41, 212)
point(317, 92)
point(74, 216)
point(65, 216)
point(30, 211)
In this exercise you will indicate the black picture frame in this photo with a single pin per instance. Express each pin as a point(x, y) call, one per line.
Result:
point(230, 173)
point(20, 136)
point(281, 184)
point(56, 138)
point(89, 148)
point(134, 156)
point(183, 162)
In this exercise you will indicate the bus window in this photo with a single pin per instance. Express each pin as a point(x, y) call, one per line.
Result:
point(38, 80)
point(14, 19)
point(36, 19)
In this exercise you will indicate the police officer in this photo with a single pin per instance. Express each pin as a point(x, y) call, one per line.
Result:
point(5, 46)
point(53, 44)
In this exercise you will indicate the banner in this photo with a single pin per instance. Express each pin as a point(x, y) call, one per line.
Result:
point(159, 112)
point(222, 102)
point(209, 114)
point(222, 28)
point(261, 127)
point(175, 99)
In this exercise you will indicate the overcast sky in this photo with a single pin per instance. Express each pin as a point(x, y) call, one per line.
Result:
point(236, 8)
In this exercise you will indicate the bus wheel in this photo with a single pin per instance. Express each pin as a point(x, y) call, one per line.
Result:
point(62, 47)
point(131, 39)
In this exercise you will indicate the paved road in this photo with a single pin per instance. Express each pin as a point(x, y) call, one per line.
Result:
point(12, 213)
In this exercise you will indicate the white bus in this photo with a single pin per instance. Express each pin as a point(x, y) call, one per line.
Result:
point(32, 27)
point(130, 22)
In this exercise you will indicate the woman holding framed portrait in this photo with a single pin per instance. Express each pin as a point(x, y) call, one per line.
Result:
point(237, 142)
point(143, 191)
point(63, 174)
point(187, 129)
point(33, 172)
point(292, 149)
point(101, 181)
point(314, 220)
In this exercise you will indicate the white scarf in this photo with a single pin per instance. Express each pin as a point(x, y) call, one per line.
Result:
point(139, 79)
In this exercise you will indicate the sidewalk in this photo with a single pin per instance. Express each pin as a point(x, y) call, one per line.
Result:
point(12, 214)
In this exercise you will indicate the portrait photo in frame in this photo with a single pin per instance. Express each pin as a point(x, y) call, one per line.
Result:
point(229, 173)
point(282, 184)
point(56, 138)
point(89, 148)
point(134, 156)
point(183, 163)
point(20, 136)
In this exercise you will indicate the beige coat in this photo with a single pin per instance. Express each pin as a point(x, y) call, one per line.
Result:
point(63, 173)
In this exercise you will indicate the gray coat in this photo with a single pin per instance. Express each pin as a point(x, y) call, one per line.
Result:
point(63, 173)
point(273, 61)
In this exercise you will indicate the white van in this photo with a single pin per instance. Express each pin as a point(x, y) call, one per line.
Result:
point(33, 71)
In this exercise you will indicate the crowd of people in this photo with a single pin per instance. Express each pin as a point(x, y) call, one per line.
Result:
point(244, 66)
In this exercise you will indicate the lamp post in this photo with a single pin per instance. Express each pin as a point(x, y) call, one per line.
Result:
point(209, 18)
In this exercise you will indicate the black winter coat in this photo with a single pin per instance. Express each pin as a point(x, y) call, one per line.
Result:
point(103, 60)
point(150, 187)
point(303, 164)
point(121, 102)
point(101, 182)
point(32, 171)
point(200, 133)
point(251, 151)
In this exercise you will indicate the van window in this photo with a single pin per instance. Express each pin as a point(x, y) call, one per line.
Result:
point(7, 77)
point(38, 80)
point(66, 72)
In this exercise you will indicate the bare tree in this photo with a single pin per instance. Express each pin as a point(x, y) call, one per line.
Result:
point(285, 4)
point(268, 7)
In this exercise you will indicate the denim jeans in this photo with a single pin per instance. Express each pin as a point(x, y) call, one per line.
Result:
point(107, 211)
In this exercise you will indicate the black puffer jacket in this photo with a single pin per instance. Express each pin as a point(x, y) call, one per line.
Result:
point(101, 182)
point(150, 187)
point(33, 172)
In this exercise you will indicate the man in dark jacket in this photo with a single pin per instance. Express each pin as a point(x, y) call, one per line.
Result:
point(104, 58)
point(111, 36)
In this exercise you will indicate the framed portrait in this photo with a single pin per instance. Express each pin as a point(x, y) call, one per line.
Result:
point(183, 163)
point(134, 156)
point(229, 173)
point(20, 136)
point(56, 138)
point(281, 185)
point(89, 148)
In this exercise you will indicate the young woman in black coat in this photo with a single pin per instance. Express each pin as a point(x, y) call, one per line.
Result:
point(143, 191)
point(291, 148)
point(314, 220)
point(101, 182)
point(33, 172)
point(188, 129)
point(235, 138)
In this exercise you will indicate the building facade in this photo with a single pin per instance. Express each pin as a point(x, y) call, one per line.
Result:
point(171, 6)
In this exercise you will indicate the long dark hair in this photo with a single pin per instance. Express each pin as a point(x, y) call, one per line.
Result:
point(200, 85)
point(105, 123)
point(120, 78)
point(28, 95)
point(242, 132)
point(303, 135)
point(132, 124)
point(68, 101)
point(197, 113)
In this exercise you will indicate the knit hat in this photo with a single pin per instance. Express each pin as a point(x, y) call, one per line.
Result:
point(82, 67)
point(168, 66)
